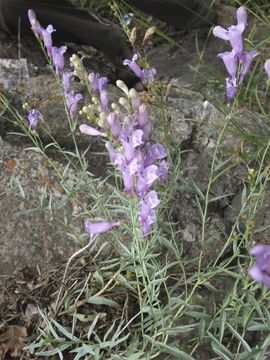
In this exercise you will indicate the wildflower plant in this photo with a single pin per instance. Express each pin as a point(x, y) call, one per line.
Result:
point(143, 295)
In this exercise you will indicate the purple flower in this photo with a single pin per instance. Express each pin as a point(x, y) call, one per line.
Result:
point(231, 90)
point(58, 58)
point(144, 122)
point(163, 171)
point(94, 81)
point(36, 27)
point(241, 15)
point(132, 64)
point(102, 86)
point(128, 180)
point(111, 151)
point(98, 228)
point(158, 151)
point(136, 138)
point(72, 102)
point(129, 150)
point(145, 75)
point(236, 40)
point(147, 216)
point(260, 271)
point(234, 33)
point(267, 68)
point(47, 38)
point(89, 130)
point(66, 81)
point(247, 61)
point(149, 75)
point(33, 118)
point(114, 123)
point(230, 62)
point(136, 165)
point(149, 175)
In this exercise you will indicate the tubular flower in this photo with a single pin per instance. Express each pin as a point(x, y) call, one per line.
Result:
point(36, 27)
point(58, 58)
point(89, 130)
point(47, 38)
point(247, 61)
point(229, 62)
point(234, 32)
point(145, 75)
point(66, 81)
point(100, 227)
point(260, 271)
point(102, 86)
point(33, 117)
point(72, 102)
point(231, 90)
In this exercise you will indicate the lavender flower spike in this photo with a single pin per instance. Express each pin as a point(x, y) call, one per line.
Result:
point(89, 130)
point(58, 58)
point(267, 67)
point(101, 227)
point(33, 117)
point(260, 271)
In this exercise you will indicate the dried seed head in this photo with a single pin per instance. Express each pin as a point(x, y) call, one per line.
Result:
point(148, 34)
point(168, 90)
point(133, 36)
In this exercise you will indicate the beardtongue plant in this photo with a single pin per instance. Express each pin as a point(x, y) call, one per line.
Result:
point(237, 61)
point(127, 127)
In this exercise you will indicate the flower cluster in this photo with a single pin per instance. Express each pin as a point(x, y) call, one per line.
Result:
point(260, 271)
point(57, 56)
point(128, 129)
point(237, 61)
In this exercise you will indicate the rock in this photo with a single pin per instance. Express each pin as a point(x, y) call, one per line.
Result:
point(13, 73)
point(36, 212)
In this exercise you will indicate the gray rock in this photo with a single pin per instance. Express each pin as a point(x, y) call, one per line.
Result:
point(13, 73)
point(36, 212)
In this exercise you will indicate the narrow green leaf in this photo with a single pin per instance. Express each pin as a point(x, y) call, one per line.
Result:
point(100, 300)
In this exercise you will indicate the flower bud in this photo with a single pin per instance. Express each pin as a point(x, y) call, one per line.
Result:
point(121, 85)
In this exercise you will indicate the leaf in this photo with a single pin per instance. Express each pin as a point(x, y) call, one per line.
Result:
point(11, 341)
point(99, 300)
